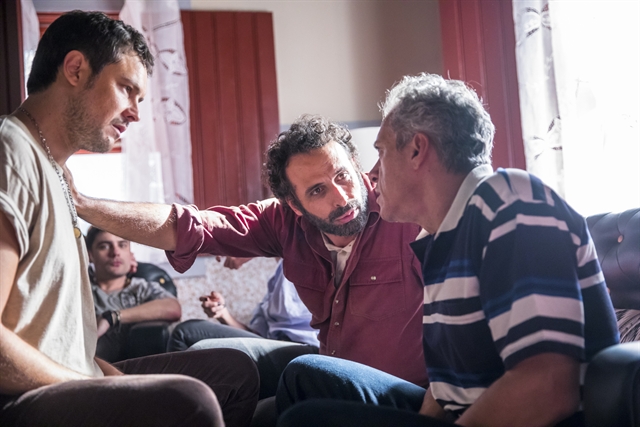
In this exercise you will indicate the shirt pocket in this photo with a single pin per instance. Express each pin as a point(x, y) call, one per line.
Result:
point(376, 289)
point(312, 284)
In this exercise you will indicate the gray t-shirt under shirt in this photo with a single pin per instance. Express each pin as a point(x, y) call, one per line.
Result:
point(139, 291)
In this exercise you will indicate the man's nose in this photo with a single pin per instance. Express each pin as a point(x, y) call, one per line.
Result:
point(341, 196)
point(132, 113)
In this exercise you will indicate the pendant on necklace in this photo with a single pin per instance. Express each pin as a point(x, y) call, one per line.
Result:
point(77, 232)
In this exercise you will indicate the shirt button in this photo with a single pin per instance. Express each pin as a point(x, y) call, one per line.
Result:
point(373, 277)
point(333, 352)
point(337, 301)
point(337, 324)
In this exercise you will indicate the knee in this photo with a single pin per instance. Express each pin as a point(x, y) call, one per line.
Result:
point(185, 334)
point(303, 366)
point(177, 397)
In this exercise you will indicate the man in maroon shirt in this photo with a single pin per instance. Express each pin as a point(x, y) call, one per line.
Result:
point(355, 272)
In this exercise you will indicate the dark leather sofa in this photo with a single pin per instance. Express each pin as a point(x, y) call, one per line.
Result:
point(612, 382)
point(146, 338)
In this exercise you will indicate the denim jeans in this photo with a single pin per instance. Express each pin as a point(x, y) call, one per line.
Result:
point(365, 397)
point(324, 377)
point(189, 332)
point(338, 413)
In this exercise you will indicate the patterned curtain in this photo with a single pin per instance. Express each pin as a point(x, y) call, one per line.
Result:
point(578, 79)
point(538, 97)
point(157, 151)
point(30, 36)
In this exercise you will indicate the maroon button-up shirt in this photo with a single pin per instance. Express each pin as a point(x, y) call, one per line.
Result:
point(374, 316)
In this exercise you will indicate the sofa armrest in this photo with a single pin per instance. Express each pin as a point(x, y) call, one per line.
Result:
point(612, 387)
point(147, 338)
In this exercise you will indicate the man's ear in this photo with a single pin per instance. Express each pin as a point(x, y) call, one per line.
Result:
point(419, 149)
point(76, 69)
point(90, 256)
point(293, 207)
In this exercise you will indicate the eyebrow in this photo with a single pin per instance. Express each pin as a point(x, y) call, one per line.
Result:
point(98, 242)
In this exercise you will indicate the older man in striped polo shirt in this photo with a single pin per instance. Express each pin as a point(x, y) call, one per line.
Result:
point(515, 304)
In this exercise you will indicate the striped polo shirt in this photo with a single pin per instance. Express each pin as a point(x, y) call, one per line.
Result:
point(511, 273)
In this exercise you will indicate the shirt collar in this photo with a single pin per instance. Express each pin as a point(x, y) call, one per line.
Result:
point(424, 240)
point(471, 181)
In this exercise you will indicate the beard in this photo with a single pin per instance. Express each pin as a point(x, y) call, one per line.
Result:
point(355, 226)
point(83, 132)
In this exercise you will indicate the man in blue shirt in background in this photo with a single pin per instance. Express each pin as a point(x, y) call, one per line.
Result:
point(280, 316)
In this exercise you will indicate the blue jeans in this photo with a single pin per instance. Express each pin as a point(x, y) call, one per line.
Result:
point(324, 377)
point(365, 397)
point(189, 332)
point(338, 413)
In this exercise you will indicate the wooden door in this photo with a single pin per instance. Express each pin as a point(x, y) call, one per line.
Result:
point(234, 107)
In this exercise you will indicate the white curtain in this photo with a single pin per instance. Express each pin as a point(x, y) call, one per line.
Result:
point(157, 150)
point(30, 36)
point(579, 96)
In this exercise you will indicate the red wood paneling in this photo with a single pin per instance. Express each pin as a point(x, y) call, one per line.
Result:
point(234, 107)
point(478, 41)
point(12, 91)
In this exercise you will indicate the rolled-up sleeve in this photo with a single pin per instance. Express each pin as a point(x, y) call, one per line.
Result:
point(190, 237)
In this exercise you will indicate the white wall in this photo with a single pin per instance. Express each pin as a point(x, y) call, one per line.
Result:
point(337, 58)
point(333, 57)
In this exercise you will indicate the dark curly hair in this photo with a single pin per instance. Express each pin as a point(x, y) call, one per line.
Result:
point(101, 40)
point(307, 133)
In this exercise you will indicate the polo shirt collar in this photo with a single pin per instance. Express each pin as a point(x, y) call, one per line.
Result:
point(421, 246)
point(471, 181)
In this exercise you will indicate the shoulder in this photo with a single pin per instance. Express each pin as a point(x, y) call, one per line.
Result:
point(17, 146)
point(516, 191)
point(516, 196)
point(511, 185)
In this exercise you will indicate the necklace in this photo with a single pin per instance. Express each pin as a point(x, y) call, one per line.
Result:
point(63, 180)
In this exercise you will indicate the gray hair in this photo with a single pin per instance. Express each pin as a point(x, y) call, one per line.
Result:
point(448, 112)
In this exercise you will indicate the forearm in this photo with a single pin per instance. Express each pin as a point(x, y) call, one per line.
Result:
point(163, 309)
point(146, 223)
point(430, 407)
point(227, 319)
point(107, 369)
point(540, 391)
point(24, 368)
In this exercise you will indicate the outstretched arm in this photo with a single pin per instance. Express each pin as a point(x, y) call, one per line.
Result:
point(146, 223)
point(22, 367)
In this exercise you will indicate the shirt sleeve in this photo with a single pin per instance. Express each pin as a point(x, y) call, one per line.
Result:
point(249, 230)
point(530, 283)
point(17, 202)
